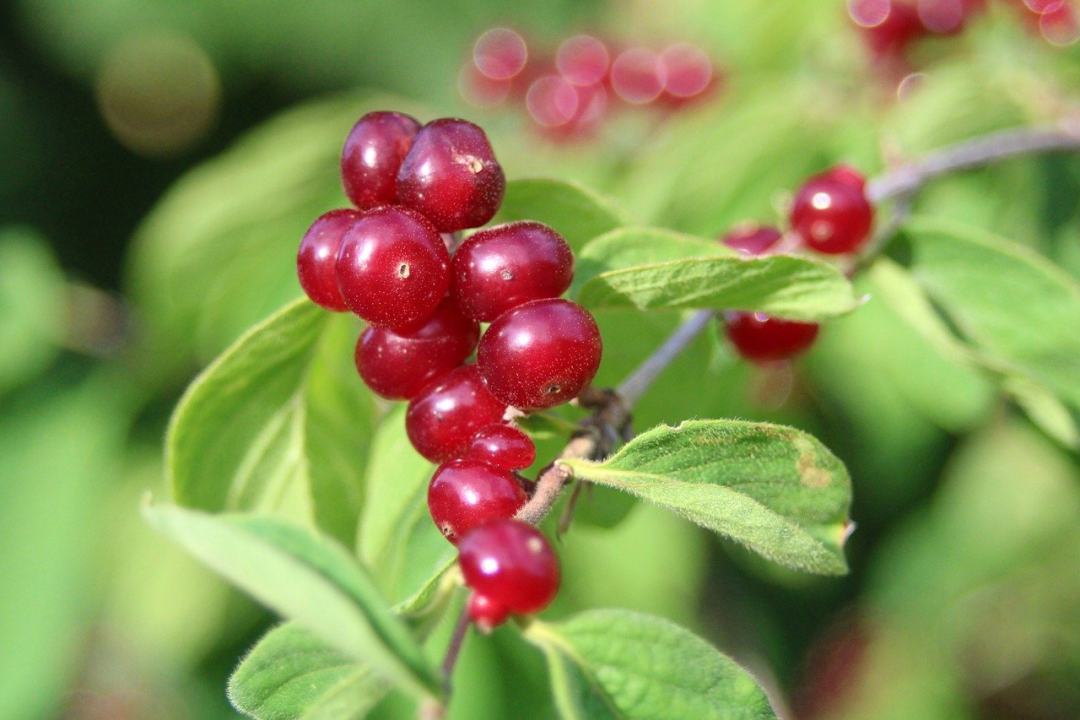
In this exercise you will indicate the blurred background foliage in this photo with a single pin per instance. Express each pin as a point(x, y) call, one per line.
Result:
point(161, 162)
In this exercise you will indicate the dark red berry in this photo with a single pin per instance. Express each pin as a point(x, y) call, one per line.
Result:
point(451, 176)
point(486, 613)
point(503, 446)
point(500, 53)
point(465, 494)
point(511, 565)
point(687, 71)
point(583, 60)
point(444, 417)
point(393, 269)
point(888, 27)
point(540, 354)
point(372, 155)
point(761, 338)
point(507, 265)
point(832, 215)
point(318, 254)
point(637, 76)
point(552, 101)
point(752, 239)
point(398, 365)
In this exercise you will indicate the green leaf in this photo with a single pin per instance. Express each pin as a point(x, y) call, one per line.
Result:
point(1045, 410)
point(577, 213)
point(397, 539)
point(61, 446)
point(291, 674)
point(307, 579)
point(280, 422)
point(781, 285)
point(629, 247)
point(1015, 308)
point(623, 665)
point(774, 489)
point(31, 305)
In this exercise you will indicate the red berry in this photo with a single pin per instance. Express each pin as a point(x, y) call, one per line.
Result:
point(761, 338)
point(465, 494)
point(444, 417)
point(507, 265)
point(752, 239)
point(832, 215)
point(318, 254)
point(503, 446)
point(500, 54)
point(486, 613)
point(373, 152)
point(511, 565)
point(398, 365)
point(637, 76)
point(552, 101)
point(889, 27)
point(688, 71)
point(393, 268)
point(540, 354)
point(451, 176)
point(583, 60)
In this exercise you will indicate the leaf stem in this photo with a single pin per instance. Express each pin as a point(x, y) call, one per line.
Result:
point(911, 177)
point(453, 650)
point(638, 382)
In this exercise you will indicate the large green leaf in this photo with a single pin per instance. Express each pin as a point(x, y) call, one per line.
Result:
point(307, 579)
point(279, 422)
point(291, 674)
point(397, 538)
point(577, 213)
point(1017, 310)
point(774, 489)
point(782, 285)
point(621, 665)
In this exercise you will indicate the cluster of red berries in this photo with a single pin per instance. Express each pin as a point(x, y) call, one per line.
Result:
point(394, 261)
point(890, 27)
point(570, 93)
point(831, 215)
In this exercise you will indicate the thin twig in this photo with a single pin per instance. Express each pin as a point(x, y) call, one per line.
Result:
point(639, 381)
point(453, 650)
point(909, 178)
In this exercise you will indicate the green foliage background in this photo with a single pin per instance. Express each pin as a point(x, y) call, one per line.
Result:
point(951, 395)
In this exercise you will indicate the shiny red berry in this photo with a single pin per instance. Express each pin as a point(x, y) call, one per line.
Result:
point(688, 71)
point(760, 338)
point(451, 176)
point(540, 354)
point(318, 254)
point(465, 494)
point(393, 269)
point(398, 365)
point(888, 27)
point(508, 265)
point(373, 152)
point(832, 215)
point(752, 240)
point(486, 613)
point(444, 417)
point(503, 446)
point(511, 565)
point(500, 53)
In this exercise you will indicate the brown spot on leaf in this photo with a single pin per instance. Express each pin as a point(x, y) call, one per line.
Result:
point(810, 474)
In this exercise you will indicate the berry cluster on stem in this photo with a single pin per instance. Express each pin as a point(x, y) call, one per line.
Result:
point(394, 261)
